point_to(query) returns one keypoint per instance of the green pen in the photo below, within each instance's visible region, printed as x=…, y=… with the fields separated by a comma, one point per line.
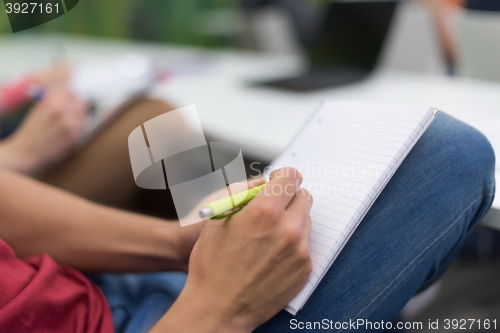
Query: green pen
x=216, y=209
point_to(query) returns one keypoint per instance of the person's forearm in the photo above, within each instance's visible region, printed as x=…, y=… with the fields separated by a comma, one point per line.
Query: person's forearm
x=40, y=219
x=13, y=159
x=196, y=313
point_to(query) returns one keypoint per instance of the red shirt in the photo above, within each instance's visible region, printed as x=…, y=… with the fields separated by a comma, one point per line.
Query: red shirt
x=14, y=94
x=38, y=295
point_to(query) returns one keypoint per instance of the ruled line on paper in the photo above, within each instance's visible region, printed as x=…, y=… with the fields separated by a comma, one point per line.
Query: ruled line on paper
x=320, y=141
x=351, y=135
x=364, y=148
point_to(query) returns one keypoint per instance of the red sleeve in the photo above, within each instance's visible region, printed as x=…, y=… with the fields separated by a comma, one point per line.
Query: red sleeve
x=13, y=95
x=38, y=295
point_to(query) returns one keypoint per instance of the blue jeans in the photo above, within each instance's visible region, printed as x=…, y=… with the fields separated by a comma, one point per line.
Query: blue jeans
x=403, y=245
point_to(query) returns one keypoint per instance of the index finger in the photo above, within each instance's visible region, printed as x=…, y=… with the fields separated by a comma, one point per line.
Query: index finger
x=281, y=189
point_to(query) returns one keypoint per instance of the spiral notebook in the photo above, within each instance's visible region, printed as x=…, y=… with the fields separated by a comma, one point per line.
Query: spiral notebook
x=347, y=152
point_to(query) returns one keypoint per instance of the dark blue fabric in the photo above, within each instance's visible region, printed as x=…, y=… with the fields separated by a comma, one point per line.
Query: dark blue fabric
x=137, y=301
x=492, y=5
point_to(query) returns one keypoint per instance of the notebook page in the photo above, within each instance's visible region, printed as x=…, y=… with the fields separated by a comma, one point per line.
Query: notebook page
x=346, y=153
x=406, y=148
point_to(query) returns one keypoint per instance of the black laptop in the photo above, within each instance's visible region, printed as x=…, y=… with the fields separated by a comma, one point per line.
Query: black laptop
x=346, y=46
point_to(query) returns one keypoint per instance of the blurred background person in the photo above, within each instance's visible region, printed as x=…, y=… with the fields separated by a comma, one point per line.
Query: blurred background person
x=44, y=130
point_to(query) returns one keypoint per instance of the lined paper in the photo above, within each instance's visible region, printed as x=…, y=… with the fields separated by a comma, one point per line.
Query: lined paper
x=347, y=152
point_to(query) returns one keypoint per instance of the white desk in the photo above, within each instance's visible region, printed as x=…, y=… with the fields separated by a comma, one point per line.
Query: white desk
x=260, y=120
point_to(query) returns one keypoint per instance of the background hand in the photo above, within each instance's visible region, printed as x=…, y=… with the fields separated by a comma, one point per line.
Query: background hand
x=57, y=74
x=48, y=134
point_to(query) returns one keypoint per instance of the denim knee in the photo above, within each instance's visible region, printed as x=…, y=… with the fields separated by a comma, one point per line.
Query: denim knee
x=462, y=181
x=465, y=157
x=464, y=152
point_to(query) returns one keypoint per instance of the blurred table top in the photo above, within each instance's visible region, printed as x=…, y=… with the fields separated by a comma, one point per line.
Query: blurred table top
x=262, y=120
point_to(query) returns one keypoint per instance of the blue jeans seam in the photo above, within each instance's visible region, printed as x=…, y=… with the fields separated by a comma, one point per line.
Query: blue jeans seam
x=420, y=254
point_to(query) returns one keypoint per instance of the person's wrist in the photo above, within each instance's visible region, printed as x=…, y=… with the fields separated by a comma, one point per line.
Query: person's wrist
x=192, y=312
x=169, y=243
x=16, y=158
